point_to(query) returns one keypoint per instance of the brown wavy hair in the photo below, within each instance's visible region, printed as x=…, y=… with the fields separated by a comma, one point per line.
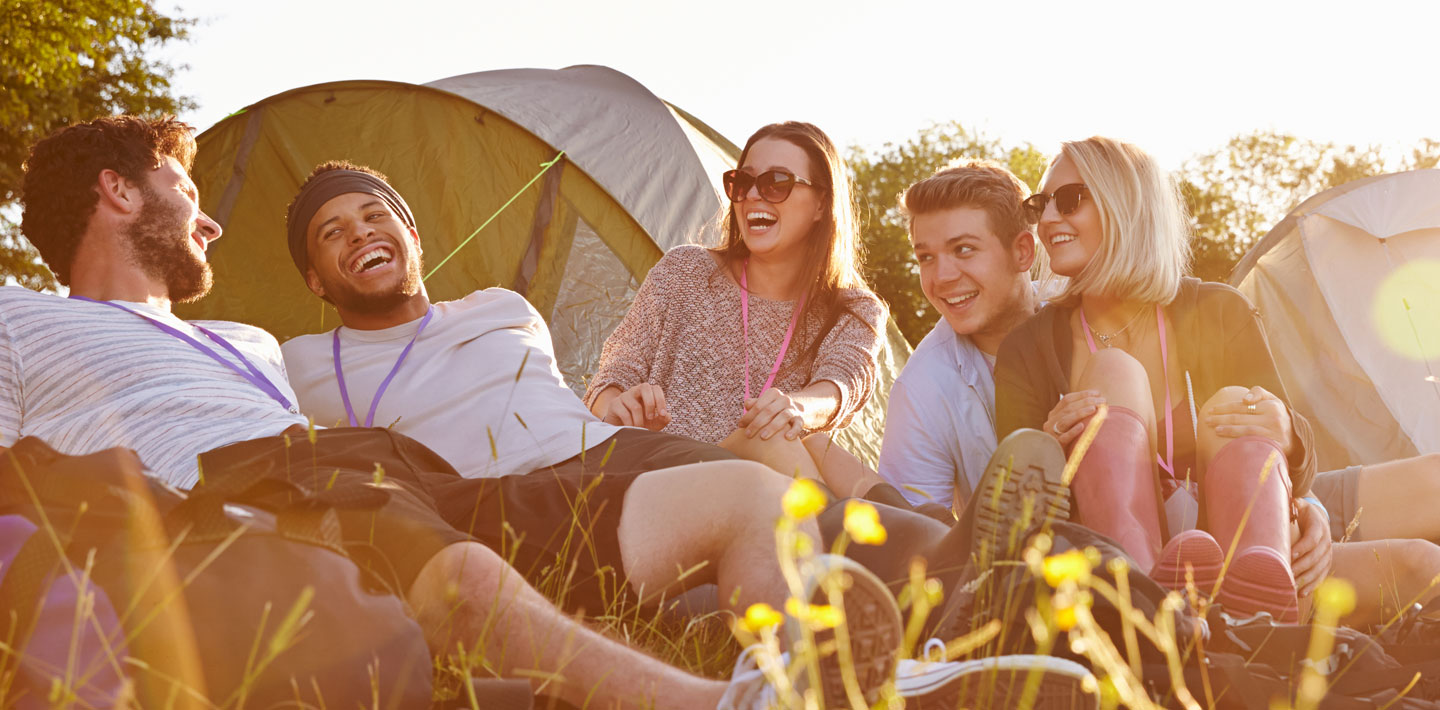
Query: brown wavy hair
x=59, y=192
x=833, y=254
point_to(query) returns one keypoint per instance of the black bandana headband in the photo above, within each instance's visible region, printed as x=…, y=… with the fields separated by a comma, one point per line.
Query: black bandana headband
x=325, y=187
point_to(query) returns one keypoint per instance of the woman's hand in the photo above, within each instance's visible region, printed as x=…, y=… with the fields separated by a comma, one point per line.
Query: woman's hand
x=1312, y=556
x=1069, y=416
x=642, y=405
x=771, y=413
x=1258, y=413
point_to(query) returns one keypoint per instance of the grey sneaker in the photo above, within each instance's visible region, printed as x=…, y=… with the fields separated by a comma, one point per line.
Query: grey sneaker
x=1022, y=485
x=996, y=683
x=872, y=621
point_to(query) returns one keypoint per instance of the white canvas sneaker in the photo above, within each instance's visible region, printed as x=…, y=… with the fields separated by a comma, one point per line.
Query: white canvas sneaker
x=995, y=683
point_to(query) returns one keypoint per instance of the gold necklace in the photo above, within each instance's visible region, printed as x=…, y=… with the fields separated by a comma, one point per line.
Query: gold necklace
x=1106, y=338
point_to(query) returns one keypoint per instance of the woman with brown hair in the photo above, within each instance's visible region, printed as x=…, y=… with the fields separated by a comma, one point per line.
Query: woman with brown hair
x=766, y=339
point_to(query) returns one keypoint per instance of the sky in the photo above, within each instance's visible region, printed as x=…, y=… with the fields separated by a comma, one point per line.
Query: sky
x=1176, y=78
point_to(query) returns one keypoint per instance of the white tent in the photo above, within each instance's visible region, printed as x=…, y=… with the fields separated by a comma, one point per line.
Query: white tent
x=1348, y=285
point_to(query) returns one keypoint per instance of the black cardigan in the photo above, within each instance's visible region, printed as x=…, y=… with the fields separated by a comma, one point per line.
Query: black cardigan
x=1221, y=342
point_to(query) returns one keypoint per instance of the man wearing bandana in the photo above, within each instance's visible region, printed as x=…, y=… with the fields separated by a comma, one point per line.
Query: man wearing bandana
x=111, y=208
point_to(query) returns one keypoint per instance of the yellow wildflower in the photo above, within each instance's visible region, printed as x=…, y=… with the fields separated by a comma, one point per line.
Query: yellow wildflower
x=803, y=499
x=862, y=521
x=1068, y=565
x=817, y=616
x=760, y=616
x=1336, y=596
x=1065, y=618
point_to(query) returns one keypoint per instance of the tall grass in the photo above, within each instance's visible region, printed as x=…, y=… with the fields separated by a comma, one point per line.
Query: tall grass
x=1057, y=617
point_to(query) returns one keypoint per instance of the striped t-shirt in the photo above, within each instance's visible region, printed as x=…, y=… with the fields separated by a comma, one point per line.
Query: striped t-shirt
x=84, y=377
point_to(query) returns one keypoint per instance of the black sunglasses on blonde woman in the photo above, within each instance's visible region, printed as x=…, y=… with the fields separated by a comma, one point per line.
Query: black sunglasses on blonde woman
x=1067, y=200
x=774, y=185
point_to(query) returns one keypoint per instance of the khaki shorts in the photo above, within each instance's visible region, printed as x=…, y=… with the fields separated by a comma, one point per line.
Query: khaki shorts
x=1339, y=492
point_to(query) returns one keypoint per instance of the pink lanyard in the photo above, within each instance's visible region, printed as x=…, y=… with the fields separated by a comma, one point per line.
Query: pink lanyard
x=745, y=331
x=1167, y=463
x=385, y=384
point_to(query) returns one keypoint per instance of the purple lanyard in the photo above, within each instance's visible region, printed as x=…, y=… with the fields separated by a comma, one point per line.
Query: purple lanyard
x=745, y=332
x=1167, y=463
x=254, y=376
x=375, y=403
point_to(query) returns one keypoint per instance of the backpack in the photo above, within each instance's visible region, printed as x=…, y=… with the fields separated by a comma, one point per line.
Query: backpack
x=215, y=601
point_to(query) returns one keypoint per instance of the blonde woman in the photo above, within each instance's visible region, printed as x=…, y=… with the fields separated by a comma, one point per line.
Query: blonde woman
x=767, y=339
x=1196, y=409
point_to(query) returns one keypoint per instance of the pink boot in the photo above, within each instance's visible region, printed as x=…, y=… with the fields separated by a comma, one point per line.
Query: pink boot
x=1114, y=487
x=1258, y=577
x=1196, y=551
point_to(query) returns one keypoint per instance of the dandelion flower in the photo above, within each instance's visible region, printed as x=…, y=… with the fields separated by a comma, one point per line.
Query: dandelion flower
x=1068, y=565
x=817, y=616
x=1065, y=618
x=803, y=499
x=761, y=616
x=862, y=521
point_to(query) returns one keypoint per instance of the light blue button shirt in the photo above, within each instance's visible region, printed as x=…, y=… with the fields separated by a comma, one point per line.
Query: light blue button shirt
x=940, y=427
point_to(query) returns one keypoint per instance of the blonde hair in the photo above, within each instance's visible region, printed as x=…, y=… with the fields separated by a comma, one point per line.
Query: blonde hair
x=1145, y=237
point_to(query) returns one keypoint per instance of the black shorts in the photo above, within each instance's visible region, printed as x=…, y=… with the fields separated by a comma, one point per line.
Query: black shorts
x=393, y=541
x=558, y=526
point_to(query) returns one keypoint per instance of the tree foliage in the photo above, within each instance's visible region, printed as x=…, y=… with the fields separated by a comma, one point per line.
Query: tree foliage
x=62, y=62
x=1234, y=195
x=880, y=176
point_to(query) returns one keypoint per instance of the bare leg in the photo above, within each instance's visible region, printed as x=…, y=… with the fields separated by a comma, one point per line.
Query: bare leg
x=1210, y=441
x=844, y=473
x=1122, y=381
x=714, y=521
x=777, y=452
x=816, y=456
x=1397, y=499
x=1388, y=575
x=467, y=595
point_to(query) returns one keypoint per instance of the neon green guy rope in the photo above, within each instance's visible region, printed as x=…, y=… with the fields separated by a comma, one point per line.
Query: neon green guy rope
x=544, y=168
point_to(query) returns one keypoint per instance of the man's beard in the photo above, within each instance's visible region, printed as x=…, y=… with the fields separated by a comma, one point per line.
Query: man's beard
x=346, y=297
x=160, y=246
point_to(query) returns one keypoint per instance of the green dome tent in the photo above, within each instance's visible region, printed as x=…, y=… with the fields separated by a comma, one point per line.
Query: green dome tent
x=637, y=177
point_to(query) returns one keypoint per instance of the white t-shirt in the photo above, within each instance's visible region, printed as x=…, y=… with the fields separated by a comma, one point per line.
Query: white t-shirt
x=940, y=425
x=480, y=387
x=86, y=376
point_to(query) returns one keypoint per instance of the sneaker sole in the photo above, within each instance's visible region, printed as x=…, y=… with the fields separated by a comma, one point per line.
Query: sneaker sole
x=999, y=683
x=1028, y=465
x=872, y=621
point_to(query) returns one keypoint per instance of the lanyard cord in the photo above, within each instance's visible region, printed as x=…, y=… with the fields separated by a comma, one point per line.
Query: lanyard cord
x=745, y=331
x=254, y=376
x=384, y=384
x=1167, y=463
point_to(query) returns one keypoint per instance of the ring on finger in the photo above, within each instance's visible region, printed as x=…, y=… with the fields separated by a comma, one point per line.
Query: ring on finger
x=1251, y=408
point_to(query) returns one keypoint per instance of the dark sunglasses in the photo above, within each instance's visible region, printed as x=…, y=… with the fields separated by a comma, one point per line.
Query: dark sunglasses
x=774, y=185
x=1067, y=200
